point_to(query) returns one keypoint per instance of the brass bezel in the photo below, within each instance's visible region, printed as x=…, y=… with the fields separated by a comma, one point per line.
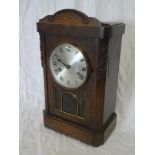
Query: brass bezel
x=87, y=64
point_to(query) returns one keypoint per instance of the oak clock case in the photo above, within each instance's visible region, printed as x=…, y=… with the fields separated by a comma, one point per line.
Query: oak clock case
x=80, y=59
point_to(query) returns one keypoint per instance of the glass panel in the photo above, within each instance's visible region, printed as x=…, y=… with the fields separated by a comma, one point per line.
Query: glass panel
x=58, y=99
x=70, y=104
x=81, y=106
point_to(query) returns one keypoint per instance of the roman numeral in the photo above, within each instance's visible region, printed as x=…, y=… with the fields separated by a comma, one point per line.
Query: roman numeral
x=81, y=77
x=83, y=68
x=81, y=60
x=57, y=70
x=61, y=78
x=68, y=82
x=54, y=63
x=68, y=49
x=61, y=50
x=76, y=52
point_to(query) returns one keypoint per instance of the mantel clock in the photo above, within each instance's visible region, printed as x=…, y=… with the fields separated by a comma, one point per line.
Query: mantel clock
x=80, y=59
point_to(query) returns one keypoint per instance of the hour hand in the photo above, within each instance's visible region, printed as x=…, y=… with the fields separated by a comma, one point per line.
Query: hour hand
x=66, y=65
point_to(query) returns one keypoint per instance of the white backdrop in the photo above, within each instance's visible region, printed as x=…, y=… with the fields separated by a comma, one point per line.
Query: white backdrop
x=35, y=139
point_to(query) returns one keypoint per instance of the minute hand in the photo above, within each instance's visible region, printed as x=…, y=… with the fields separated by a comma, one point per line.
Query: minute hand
x=66, y=65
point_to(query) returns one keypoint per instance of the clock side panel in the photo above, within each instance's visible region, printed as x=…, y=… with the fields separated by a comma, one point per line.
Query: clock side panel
x=114, y=49
x=43, y=63
x=87, y=90
x=107, y=77
x=98, y=106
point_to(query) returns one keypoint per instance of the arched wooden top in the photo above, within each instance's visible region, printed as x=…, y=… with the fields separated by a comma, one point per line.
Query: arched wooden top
x=75, y=23
x=71, y=17
x=69, y=14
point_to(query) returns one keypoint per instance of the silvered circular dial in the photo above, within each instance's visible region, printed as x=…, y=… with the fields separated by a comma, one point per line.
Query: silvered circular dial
x=68, y=65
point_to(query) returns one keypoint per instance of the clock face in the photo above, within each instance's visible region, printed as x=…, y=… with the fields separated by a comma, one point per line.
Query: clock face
x=68, y=66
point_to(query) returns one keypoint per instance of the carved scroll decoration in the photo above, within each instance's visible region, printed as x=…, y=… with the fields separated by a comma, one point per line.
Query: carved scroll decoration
x=84, y=18
x=102, y=60
x=42, y=48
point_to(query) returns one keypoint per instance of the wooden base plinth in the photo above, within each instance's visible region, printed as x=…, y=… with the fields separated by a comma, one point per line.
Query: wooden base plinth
x=89, y=136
